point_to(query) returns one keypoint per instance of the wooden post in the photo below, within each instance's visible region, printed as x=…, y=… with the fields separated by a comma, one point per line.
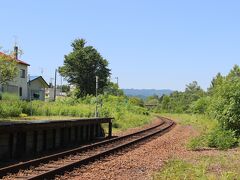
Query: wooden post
x=55, y=85
x=110, y=129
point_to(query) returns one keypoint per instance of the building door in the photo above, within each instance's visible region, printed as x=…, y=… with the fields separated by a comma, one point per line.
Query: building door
x=20, y=91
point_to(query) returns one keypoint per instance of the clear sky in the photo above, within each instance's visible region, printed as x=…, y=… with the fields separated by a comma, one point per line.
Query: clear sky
x=148, y=43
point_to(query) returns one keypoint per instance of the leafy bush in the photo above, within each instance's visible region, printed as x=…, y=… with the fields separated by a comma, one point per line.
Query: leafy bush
x=8, y=108
x=126, y=114
x=197, y=143
x=9, y=96
x=10, y=105
x=218, y=138
x=225, y=102
x=136, y=101
x=200, y=106
x=179, y=169
x=222, y=139
x=211, y=134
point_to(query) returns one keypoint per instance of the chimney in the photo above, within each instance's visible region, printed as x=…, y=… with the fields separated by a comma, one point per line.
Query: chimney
x=16, y=52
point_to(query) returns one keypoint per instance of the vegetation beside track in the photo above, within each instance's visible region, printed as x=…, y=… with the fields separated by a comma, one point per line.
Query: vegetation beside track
x=203, y=162
x=210, y=133
x=222, y=166
x=128, y=112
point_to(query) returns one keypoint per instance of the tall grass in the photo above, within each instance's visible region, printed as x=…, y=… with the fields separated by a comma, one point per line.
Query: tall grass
x=211, y=134
x=200, y=168
x=40, y=108
x=202, y=122
x=10, y=105
x=126, y=114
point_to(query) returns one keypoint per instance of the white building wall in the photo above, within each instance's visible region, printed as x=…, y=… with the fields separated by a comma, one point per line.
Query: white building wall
x=21, y=82
x=37, y=87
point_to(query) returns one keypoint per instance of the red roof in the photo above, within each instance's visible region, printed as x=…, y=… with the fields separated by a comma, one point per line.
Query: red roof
x=19, y=61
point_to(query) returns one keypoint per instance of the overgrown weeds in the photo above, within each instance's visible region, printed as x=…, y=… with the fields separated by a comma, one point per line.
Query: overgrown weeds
x=126, y=113
x=211, y=134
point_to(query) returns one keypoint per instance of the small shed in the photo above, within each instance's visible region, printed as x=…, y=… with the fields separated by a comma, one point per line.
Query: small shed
x=37, y=86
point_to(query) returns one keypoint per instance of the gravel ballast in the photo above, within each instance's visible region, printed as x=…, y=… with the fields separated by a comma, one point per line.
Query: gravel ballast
x=139, y=162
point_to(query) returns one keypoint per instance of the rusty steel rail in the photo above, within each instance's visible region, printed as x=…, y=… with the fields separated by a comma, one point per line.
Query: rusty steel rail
x=50, y=172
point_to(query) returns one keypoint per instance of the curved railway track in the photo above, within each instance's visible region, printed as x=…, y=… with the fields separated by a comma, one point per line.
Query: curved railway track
x=49, y=166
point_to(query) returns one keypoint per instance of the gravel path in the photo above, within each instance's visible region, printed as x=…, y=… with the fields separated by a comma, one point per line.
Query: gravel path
x=138, y=163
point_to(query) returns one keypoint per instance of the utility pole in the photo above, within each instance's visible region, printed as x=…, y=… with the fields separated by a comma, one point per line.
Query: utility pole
x=61, y=86
x=55, y=85
x=30, y=94
x=96, y=110
x=117, y=80
x=117, y=84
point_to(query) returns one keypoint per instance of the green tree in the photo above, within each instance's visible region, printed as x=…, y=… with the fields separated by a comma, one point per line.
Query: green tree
x=65, y=88
x=82, y=65
x=225, y=101
x=194, y=91
x=165, y=103
x=113, y=89
x=201, y=105
x=217, y=81
x=153, y=100
x=8, y=69
x=180, y=102
x=136, y=101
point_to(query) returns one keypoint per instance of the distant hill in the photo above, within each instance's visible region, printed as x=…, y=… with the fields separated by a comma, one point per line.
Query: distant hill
x=144, y=93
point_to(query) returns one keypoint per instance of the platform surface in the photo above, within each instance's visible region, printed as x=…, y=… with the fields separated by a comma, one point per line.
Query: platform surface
x=21, y=125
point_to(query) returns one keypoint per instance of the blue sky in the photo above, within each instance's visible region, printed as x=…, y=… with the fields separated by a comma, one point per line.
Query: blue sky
x=148, y=43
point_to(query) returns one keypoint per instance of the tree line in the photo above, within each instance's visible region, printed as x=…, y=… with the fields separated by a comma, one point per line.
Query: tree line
x=221, y=100
x=84, y=63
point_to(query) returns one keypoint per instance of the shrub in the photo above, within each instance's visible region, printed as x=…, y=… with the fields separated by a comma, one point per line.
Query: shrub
x=10, y=109
x=179, y=169
x=225, y=102
x=222, y=139
x=197, y=143
x=9, y=97
x=200, y=106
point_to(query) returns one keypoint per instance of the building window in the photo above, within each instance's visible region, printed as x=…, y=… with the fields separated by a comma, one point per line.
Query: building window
x=22, y=73
x=20, y=91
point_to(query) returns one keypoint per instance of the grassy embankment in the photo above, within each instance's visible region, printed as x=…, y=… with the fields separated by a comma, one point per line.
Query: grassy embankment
x=126, y=114
x=216, y=164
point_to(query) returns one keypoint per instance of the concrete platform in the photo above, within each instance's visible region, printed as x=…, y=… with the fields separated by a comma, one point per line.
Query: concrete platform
x=19, y=139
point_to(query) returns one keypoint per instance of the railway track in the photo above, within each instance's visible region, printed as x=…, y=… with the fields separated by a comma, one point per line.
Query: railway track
x=49, y=166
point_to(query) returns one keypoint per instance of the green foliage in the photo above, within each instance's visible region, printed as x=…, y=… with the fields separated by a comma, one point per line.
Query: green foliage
x=126, y=113
x=136, y=101
x=181, y=102
x=225, y=101
x=201, y=168
x=64, y=88
x=222, y=139
x=10, y=108
x=215, y=82
x=153, y=100
x=211, y=135
x=197, y=143
x=221, y=102
x=9, y=96
x=200, y=106
x=113, y=89
x=60, y=108
x=82, y=65
x=178, y=169
x=218, y=138
x=203, y=123
x=8, y=69
x=10, y=105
